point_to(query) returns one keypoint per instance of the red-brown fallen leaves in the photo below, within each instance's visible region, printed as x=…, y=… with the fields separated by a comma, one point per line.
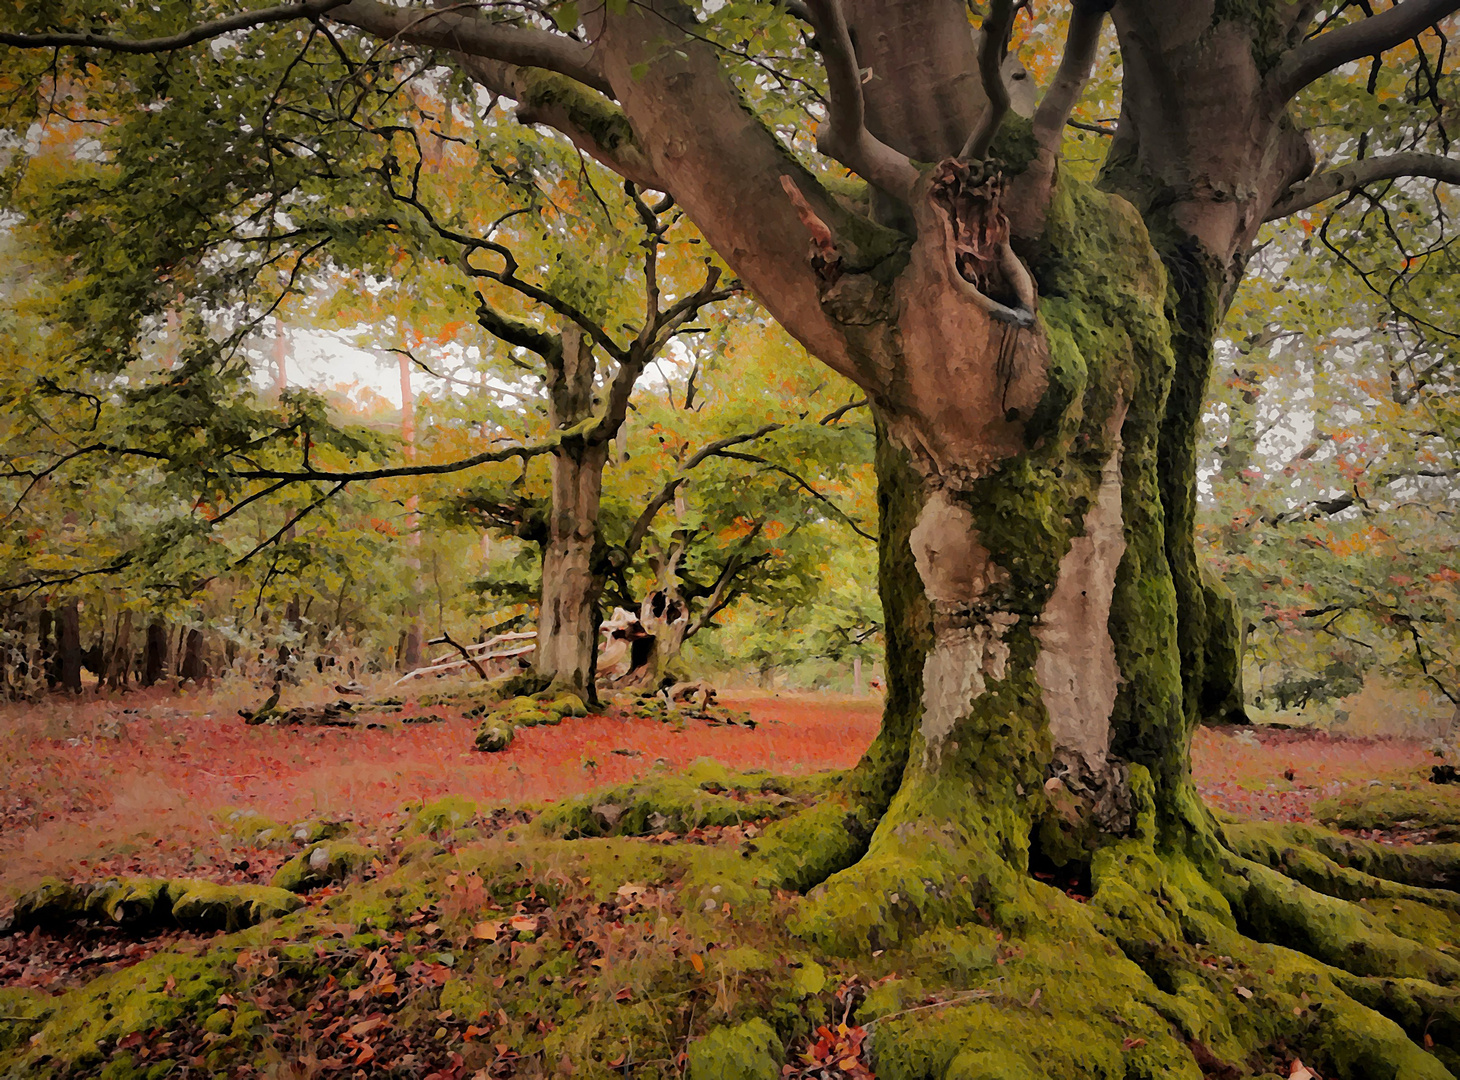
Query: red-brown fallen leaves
x=39, y=960
x=835, y=1055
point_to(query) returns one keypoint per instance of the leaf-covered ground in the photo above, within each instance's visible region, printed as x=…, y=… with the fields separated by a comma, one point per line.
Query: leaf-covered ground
x=136, y=784
x=173, y=786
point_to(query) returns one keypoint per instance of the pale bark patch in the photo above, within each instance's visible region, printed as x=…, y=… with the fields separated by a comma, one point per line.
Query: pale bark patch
x=956, y=571
x=955, y=675
x=1076, y=667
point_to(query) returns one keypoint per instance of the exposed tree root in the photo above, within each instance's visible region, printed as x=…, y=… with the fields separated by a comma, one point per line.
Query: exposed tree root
x=1431, y=866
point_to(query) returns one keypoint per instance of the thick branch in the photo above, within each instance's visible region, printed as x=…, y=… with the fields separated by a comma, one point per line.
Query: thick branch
x=845, y=136
x=461, y=29
x=517, y=331
x=591, y=122
x=1358, y=174
x=1317, y=56
x=244, y=20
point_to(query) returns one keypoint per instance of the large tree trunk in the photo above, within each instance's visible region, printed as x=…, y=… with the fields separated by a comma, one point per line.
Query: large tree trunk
x=567, y=629
x=568, y=617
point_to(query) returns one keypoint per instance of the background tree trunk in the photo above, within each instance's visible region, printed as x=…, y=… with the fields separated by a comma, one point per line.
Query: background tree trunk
x=155, y=658
x=45, y=649
x=68, y=646
x=194, y=665
x=119, y=667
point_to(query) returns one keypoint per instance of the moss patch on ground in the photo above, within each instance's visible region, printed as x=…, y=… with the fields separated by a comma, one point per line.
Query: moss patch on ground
x=139, y=901
x=706, y=794
x=533, y=955
x=327, y=862
x=1389, y=806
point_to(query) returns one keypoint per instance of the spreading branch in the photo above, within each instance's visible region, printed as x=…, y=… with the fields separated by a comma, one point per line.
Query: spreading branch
x=801, y=483
x=244, y=20
x=461, y=464
x=1371, y=36
x=845, y=136
x=1355, y=175
x=646, y=518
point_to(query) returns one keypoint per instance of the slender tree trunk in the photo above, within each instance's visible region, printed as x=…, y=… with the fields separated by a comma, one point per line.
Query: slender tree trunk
x=155, y=660
x=45, y=649
x=414, y=632
x=68, y=646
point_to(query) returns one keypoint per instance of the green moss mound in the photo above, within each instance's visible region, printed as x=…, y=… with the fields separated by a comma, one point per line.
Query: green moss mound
x=704, y=795
x=327, y=862
x=548, y=708
x=144, y=902
x=748, y=1051
x=494, y=736
x=441, y=816
x=255, y=830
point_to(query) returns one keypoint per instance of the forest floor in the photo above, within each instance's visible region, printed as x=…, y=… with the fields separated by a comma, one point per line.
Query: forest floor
x=146, y=784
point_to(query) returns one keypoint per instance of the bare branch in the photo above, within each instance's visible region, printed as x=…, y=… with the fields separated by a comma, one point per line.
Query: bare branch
x=845, y=137
x=993, y=45
x=446, y=639
x=244, y=20
x=462, y=29
x=1325, y=185
x=1082, y=42
x=836, y=414
x=1319, y=55
x=505, y=454
x=295, y=520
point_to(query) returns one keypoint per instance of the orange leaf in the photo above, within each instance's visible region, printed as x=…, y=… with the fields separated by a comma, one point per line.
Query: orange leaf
x=697, y=963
